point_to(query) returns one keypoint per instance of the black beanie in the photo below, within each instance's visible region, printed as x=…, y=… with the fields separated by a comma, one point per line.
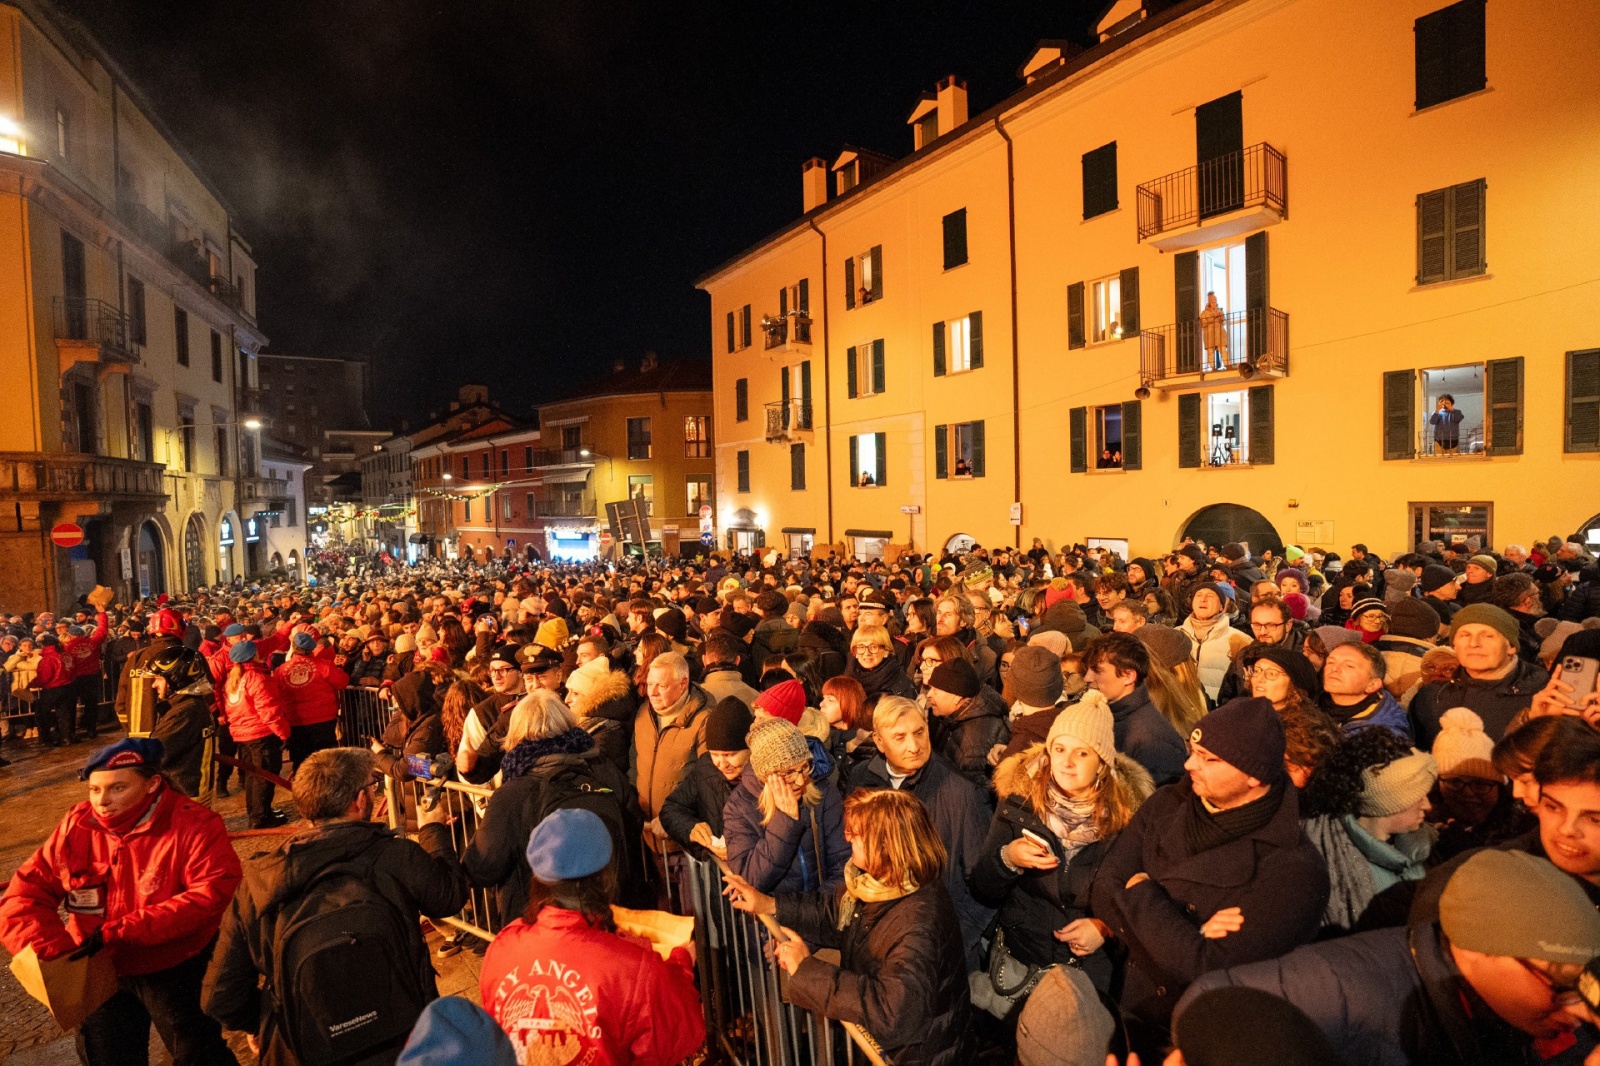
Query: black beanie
x=1248, y=1027
x=1247, y=734
x=727, y=725
x=1413, y=618
x=1302, y=675
x=1436, y=575
x=956, y=677
x=1584, y=644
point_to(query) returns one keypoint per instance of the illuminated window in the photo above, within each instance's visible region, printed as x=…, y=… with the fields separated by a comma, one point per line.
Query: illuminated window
x=1106, y=309
x=697, y=437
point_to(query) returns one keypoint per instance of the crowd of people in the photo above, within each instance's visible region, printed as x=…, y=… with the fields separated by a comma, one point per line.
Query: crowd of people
x=1038, y=806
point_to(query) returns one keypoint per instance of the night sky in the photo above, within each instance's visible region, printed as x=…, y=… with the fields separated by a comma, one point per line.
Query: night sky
x=520, y=192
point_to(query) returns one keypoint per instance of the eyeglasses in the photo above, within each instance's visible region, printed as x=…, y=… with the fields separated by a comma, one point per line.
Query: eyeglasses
x=870, y=649
x=1005, y=665
x=1477, y=786
x=930, y=660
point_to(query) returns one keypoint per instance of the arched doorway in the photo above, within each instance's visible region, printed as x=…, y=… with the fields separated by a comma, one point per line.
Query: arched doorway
x=225, y=545
x=294, y=564
x=1224, y=522
x=152, y=566
x=1589, y=533
x=960, y=544
x=194, y=552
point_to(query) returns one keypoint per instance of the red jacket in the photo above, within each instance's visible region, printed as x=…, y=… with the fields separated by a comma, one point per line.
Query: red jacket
x=157, y=893
x=53, y=671
x=257, y=708
x=561, y=980
x=83, y=653
x=311, y=688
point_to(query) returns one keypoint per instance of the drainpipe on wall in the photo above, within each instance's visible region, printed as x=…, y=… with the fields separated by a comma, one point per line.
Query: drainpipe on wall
x=1016, y=388
x=827, y=393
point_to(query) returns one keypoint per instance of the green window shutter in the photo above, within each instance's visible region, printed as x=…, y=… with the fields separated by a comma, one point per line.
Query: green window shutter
x=1502, y=397
x=880, y=447
x=977, y=449
x=1129, y=315
x=850, y=372
x=1256, y=295
x=1466, y=229
x=1100, y=180
x=1261, y=435
x=877, y=367
x=1075, y=334
x=797, y=467
x=730, y=331
x=877, y=271
x=855, y=461
x=805, y=296
x=783, y=302
x=744, y=471
x=955, y=238
x=1583, y=401
x=1186, y=304
x=741, y=400
x=783, y=380
x=1132, y=435
x=805, y=382
x=849, y=282
x=941, y=452
x=1433, y=238
x=938, y=349
x=1078, y=449
x=1189, y=430
x=1399, y=414
x=975, y=343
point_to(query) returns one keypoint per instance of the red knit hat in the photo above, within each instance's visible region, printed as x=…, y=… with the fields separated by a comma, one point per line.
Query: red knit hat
x=786, y=700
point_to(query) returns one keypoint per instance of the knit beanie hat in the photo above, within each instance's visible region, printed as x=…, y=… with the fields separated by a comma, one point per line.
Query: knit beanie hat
x=405, y=644
x=1436, y=575
x=1063, y=1022
x=776, y=744
x=1290, y=571
x=958, y=678
x=1302, y=675
x=1238, y=1026
x=1247, y=734
x=786, y=700
x=1371, y=603
x=455, y=1029
x=1053, y=639
x=1462, y=748
x=1397, y=585
x=1293, y=554
x=1089, y=721
x=1232, y=551
x=1487, y=562
x=1552, y=919
x=1166, y=645
x=1333, y=636
x=1035, y=677
x=1391, y=789
x=1410, y=617
x=552, y=633
x=672, y=622
x=1298, y=606
x=728, y=725
x=1486, y=614
x=1585, y=643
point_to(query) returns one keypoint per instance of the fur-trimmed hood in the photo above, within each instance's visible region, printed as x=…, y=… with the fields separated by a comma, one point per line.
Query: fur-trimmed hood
x=604, y=685
x=1015, y=774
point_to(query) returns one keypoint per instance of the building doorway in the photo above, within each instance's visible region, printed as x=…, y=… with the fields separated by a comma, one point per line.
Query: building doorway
x=194, y=552
x=799, y=542
x=1589, y=533
x=151, y=570
x=1452, y=523
x=1222, y=523
x=225, y=544
x=960, y=544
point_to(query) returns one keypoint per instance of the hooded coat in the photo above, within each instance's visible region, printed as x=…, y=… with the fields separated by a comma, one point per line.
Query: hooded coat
x=967, y=736
x=605, y=704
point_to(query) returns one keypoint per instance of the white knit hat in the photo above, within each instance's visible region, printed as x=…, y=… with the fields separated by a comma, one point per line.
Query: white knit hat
x=1462, y=748
x=1392, y=788
x=1090, y=721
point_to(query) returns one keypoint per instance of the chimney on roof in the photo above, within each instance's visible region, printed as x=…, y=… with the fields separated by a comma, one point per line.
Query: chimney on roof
x=952, y=104
x=1124, y=15
x=813, y=184
x=617, y=366
x=648, y=363
x=938, y=112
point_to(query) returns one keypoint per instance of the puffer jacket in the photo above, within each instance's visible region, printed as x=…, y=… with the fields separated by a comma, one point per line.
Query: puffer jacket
x=606, y=710
x=804, y=854
x=966, y=737
x=699, y=797
x=1496, y=702
x=82, y=654
x=662, y=755
x=901, y=974
x=1581, y=601
x=1214, y=655
x=311, y=689
x=157, y=892
x=256, y=708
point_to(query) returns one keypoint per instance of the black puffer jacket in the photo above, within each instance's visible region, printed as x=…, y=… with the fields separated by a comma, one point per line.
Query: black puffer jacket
x=1496, y=702
x=901, y=976
x=699, y=797
x=966, y=737
x=829, y=645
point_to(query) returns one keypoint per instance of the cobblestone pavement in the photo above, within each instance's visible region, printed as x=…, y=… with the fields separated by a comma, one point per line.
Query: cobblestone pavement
x=35, y=790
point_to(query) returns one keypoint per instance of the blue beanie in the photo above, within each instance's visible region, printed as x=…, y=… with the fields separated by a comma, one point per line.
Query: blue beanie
x=235, y=630
x=243, y=651
x=304, y=641
x=127, y=752
x=570, y=843
x=454, y=1030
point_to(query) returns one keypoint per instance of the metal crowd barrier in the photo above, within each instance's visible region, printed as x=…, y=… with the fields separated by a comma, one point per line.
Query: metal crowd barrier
x=464, y=807
x=363, y=713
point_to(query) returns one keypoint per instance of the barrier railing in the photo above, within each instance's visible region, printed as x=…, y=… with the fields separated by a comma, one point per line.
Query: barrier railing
x=464, y=806
x=363, y=713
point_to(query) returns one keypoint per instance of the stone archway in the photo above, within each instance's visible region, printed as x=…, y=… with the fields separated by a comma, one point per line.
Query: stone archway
x=960, y=543
x=150, y=560
x=1223, y=522
x=194, y=551
x=1589, y=533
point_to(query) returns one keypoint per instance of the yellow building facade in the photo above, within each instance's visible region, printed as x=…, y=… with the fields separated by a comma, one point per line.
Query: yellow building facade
x=1008, y=333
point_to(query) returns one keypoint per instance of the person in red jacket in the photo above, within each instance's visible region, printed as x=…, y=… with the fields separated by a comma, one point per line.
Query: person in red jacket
x=54, y=683
x=220, y=664
x=311, y=685
x=561, y=981
x=82, y=653
x=258, y=722
x=144, y=874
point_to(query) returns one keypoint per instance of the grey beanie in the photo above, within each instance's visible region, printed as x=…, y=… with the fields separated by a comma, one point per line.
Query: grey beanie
x=1167, y=646
x=1035, y=677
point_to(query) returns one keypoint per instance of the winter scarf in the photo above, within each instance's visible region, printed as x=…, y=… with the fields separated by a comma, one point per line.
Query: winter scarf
x=880, y=678
x=1350, y=885
x=862, y=887
x=1071, y=822
x=120, y=824
x=522, y=758
x=1206, y=829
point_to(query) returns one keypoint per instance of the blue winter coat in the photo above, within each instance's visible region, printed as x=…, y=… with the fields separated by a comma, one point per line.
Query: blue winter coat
x=784, y=854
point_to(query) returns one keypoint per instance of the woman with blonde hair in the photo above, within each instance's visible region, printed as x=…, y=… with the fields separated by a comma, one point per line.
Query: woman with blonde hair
x=1174, y=679
x=902, y=973
x=782, y=821
x=874, y=664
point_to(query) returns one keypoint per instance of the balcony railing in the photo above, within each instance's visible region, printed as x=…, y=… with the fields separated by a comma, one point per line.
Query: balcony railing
x=564, y=506
x=227, y=292
x=190, y=257
x=96, y=322
x=143, y=221
x=266, y=494
x=786, y=418
x=1246, y=342
x=1257, y=177
x=563, y=456
x=40, y=476
x=788, y=329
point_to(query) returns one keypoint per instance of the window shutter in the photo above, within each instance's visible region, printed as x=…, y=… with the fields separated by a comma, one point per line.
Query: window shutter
x=1257, y=297
x=1261, y=426
x=855, y=461
x=1186, y=304
x=1100, y=180
x=1432, y=236
x=938, y=349
x=975, y=343
x=1189, y=430
x=805, y=297
x=1077, y=448
x=849, y=282
x=1130, y=302
x=850, y=372
x=877, y=271
x=744, y=471
x=1468, y=68
x=805, y=391
x=941, y=452
x=881, y=449
x=1075, y=337
x=1399, y=414
x=1503, y=398
x=1132, y=436
x=797, y=467
x=744, y=326
x=1583, y=401
x=955, y=238
x=1432, y=58
x=877, y=367
x=741, y=400
x=783, y=302
x=977, y=449
x=783, y=378
x=1466, y=229
x=730, y=331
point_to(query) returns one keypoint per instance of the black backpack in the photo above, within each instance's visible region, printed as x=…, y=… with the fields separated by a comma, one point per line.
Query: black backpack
x=342, y=979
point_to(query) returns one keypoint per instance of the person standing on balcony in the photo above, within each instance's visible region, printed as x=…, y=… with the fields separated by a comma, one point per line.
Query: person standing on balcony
x=1214, y=332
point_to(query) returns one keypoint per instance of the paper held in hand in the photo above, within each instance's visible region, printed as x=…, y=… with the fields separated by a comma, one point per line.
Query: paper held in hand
x=664, y=931
x=71, y=990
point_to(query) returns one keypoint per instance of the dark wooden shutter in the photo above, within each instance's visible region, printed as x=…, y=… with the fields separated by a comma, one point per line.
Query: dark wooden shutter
x=1186, y=304
x=731, y=345
x=941, y=452
x=1450, y=53
x=877, y=367
x=1466, y=229
x=975, y=340
x=805, y=297
x=855, y=461
x=783, y=302
x=783, y=378
x=744, y=325
x=1433, y=236
x=797, y=467
x=849, y=282
x=1399, y=414
x=977, y=449
x=744, y=471
x=1189, y=430
x=741, y=400
x=1262, y=450
x=1075, y=337
x=1129, y=315
x=1219, y=140
x=1502, y=398
x=1433, y=58
x=1583, y=401
x=955, y=238
x=1256, y=295
x=1100, y=180
x=877, y=271
x=1132, y=435
x=938, y=349
x=805, y=394
x=850, y=372
x=880, y=448
x=1077, y=448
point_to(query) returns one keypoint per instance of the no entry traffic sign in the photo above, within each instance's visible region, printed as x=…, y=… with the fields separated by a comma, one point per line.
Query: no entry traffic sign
x=66, y=535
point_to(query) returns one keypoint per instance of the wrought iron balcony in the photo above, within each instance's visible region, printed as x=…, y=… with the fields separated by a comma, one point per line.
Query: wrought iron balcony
x=582, y=455
x=1240, y=345
x=190, y=257
x=786, y=331
x=786, y=419
x=268, y=495
x=70, y=477
x=143, y=221
x=564, y=505
x=1176, y=210
x=227, y=292
x=80, y=321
